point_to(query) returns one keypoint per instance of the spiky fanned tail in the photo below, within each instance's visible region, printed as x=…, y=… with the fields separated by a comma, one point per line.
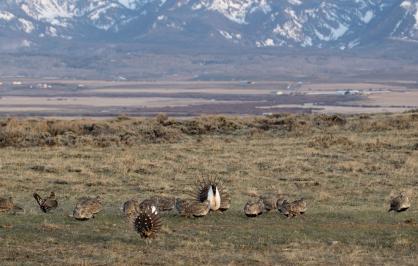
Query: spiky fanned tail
x=203, y=187
x=38, y=199
x=147, y=223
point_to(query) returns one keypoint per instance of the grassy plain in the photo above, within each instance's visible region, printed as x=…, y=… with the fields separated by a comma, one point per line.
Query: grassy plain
x=346, y=167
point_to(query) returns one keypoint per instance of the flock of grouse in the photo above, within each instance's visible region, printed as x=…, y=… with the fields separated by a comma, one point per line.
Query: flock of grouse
x=210, y=195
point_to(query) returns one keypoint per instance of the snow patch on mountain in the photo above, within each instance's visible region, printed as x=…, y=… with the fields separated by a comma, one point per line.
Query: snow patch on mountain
x=416, y=19
x=266, y=42
x=411, y=7
x=25, y=43
x=225, y=34
x=128, y=3
x=137, y=4
x=26, y=25
x=51, y=31
x=406, y=4
x=259, y=23
x=416, y=16
x=333, y=33
x=291, y=30
x=295, y=2
x=48, y=10
x=237, y=10
x=99, y=16
x=367, y=17
x=4, y=15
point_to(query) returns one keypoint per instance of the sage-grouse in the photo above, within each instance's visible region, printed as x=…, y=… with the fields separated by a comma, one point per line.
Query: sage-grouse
x=212, y=189
x=225, y=200
x=86, y=208
x=291, y=209
x=47, y=204
x=7, y=205
x=399, y=203
x=254, y=208
x=147, y=223
x=299, y=206
x=270, y=200
x=183, y=206
x=162, y=203
x=131, y=208
x=191, y=207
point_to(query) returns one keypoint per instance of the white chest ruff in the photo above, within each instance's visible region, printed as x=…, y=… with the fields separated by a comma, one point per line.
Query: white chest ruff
x=214, y=198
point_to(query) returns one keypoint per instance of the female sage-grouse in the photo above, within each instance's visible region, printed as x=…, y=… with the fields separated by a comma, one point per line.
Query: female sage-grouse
x=192, y=207
x=254, y=208
x=7, y=205
x=292, y=209
x=87, y=208
x=399, y=203
x=131, y=208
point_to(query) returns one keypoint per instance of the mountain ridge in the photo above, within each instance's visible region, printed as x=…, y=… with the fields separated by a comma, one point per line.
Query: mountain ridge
x=337, y=24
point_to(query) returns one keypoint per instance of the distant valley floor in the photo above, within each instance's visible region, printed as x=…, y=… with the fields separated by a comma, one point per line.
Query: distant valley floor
x=102, y=99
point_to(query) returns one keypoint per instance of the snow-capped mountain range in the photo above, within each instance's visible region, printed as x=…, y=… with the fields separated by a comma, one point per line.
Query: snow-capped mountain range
x=343, y=24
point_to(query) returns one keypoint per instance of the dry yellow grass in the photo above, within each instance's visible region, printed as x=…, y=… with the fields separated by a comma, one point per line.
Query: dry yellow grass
x=346, y=168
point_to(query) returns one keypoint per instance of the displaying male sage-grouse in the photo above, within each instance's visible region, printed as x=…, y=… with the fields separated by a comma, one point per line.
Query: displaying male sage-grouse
x=47, y=204
x=399, y=203
x=213, y=191
x=254, y=208
x=147, y=223
x=291, y=209
x=86, y=208
x=7, y=205
x=192, y=207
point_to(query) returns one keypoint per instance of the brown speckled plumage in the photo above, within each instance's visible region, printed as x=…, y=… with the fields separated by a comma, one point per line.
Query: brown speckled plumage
x=254, y=207
x=87, y=208
x=131, y=208
x=192, y=207
x=400, y=203
x=292, y=209
x=270, y=200
x=6, y=204
x=162, y=203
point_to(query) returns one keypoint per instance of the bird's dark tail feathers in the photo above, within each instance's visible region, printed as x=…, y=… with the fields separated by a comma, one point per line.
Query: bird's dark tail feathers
x=37, y=198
